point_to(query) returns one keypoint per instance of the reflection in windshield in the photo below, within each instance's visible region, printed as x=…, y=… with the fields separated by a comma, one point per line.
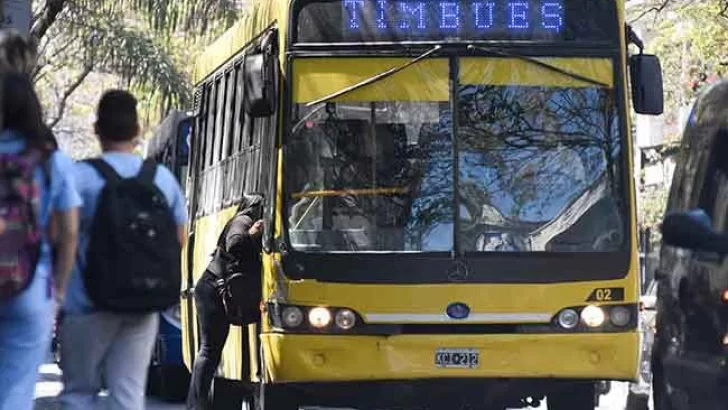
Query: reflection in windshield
x=537, y=169
x=371, y=177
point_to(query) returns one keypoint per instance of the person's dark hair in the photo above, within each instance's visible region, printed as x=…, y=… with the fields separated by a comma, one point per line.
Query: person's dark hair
x=252, y=206
x=116, y=117
x=23, y=113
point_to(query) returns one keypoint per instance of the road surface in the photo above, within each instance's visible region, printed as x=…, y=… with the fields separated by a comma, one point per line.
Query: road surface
x=50, y=385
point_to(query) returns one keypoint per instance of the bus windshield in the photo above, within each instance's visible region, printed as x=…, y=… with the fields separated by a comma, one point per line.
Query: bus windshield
x=521, y=167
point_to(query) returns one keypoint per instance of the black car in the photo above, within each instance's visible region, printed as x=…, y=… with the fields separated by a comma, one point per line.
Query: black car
x=690, y=352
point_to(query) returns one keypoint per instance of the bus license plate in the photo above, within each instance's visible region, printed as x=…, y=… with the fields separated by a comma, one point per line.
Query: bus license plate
x=457, y=358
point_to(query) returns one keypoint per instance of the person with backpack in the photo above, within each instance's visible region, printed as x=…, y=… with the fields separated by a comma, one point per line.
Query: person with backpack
x=228, y=292
x=38, y=209
x=127, y=268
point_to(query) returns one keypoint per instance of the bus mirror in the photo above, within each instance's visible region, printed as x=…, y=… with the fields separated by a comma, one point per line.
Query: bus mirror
x=260, y=85
x=646, y=76
x=693, y=231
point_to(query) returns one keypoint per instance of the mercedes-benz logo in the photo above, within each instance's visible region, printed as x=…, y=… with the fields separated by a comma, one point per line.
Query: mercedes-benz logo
x=458, y=272
x=458, y=310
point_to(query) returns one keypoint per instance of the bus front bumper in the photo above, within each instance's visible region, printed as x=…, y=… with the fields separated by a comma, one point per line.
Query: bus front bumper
x=297, y=358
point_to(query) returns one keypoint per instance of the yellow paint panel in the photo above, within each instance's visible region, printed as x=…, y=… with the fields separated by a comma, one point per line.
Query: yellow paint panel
x=315, y=78
x=315, y=358
x=259, y=16
x=507, y=71
x=433, y=298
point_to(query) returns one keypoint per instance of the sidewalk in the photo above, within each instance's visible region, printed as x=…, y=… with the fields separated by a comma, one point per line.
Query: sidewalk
x=49, y=385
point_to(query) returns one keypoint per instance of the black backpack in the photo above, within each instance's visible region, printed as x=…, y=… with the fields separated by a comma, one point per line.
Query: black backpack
x=239, y=286
x=240, y=291
x=133, y=259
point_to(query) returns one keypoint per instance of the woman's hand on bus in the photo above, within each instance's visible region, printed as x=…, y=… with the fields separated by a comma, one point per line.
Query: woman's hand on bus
x=256, y=230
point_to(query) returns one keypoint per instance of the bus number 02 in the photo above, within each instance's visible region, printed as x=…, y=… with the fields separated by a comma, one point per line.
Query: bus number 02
x=606, y=295
x=603, y=295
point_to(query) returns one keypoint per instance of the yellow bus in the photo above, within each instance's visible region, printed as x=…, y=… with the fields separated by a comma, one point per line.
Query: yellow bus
x=450, y=202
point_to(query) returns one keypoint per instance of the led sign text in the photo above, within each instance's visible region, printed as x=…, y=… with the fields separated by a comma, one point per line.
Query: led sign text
x=472, y=16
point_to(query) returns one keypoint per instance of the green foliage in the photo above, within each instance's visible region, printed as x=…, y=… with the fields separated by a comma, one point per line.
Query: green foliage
x=691, y=39
x=171, y=17
x=146, y=44
x=652, y=206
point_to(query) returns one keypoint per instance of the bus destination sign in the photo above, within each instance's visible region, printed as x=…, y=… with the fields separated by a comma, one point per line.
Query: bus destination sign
x=359, y=21
x=420, y=17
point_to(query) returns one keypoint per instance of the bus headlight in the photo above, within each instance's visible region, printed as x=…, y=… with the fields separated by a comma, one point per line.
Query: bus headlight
x=593, y=316
x=619, y=316
x=345, y=319
x=568, y=318
x=292, y=316
x=319, y=317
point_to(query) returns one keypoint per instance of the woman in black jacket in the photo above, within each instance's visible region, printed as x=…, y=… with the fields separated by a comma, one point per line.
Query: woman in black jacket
x=241, y=239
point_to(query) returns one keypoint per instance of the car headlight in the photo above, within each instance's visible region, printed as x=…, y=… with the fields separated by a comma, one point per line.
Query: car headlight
x=593, y=316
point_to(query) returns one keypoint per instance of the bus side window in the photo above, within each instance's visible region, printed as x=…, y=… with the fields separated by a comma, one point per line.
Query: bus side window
x=204, y=128
x=228, y=121
x=216, y=180
x=198, y=151
x=243, y=127
x=207, y=200
x=219, y=119
x=231, y=129
x=244, y=158
x=251, y=168
x=238, y=112
x=211, y=112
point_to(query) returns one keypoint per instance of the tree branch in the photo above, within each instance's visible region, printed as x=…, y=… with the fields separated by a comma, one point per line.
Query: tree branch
x=45, y=58
x=69, y=91
x=656, y=9
x=724, y=10
x=47, y=17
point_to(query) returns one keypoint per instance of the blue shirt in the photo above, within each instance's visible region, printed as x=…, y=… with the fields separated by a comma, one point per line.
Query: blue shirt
x=61, y=196
x=89, y=184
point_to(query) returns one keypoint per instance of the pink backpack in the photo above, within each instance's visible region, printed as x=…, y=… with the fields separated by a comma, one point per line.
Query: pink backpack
x=20, y=232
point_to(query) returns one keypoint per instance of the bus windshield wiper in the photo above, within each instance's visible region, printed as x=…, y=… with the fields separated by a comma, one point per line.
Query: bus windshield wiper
x=377, y=77
x=539, y=63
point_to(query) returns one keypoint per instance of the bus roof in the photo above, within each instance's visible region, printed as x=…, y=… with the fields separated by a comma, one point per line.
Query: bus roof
x=256, y=18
